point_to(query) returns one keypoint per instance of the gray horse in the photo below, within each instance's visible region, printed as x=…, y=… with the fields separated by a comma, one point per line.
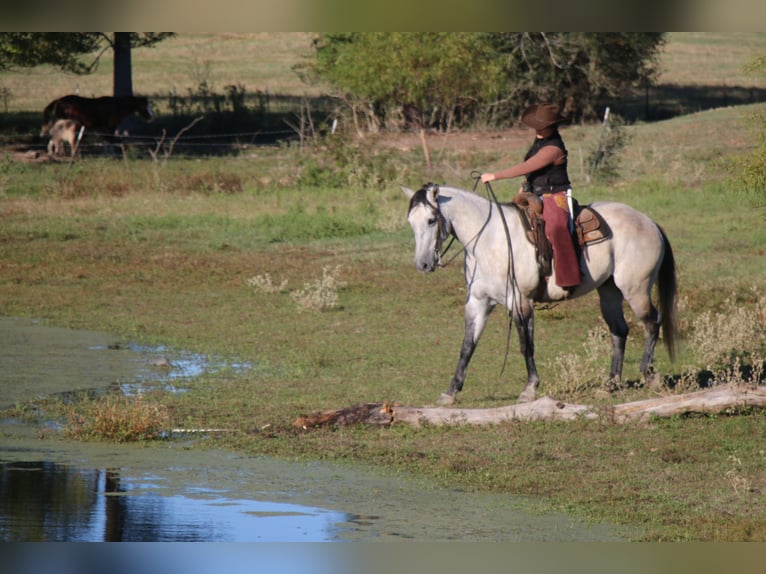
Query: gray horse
x=501, y=267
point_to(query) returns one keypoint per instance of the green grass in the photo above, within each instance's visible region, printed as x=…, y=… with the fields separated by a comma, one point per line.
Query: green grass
x=711, y=58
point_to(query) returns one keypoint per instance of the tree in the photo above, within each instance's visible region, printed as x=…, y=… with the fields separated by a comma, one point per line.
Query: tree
x=748, y=171
x=576, y=69
x=421, y=79
x=448, y=78
x=65, y=50
x=29, y=49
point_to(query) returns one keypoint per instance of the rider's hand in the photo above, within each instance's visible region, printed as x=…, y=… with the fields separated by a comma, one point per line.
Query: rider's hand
x=487, y=177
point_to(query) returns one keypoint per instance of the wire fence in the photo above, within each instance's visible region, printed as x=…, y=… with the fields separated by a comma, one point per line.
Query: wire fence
x=239, y=120
x=222, y=123
x=95, y=142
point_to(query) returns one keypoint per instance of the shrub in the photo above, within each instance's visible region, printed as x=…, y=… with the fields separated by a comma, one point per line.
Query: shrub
x=341, y=161
x=748, y=172
x=320, y=294
x=116, y=418
x=736, y=332
x=578, y=373
x=604, y=161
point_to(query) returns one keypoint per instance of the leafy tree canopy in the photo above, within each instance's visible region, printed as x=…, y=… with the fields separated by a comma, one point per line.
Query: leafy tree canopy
x=64, y=49
x=448, y=78
x=427, y=77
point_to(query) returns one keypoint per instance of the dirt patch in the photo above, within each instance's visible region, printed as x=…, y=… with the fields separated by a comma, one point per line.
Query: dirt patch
x=25, y=154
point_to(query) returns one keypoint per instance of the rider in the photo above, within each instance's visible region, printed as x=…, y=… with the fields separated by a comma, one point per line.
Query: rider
x=545, y=168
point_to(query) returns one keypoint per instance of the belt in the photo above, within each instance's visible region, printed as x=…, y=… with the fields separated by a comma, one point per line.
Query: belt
x=549, y=191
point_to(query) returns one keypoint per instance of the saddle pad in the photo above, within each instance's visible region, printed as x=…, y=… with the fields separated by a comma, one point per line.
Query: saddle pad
x=590, y=227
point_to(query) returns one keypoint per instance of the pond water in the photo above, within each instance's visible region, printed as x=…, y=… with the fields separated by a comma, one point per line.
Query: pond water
x=176, y=490
x=49, y=501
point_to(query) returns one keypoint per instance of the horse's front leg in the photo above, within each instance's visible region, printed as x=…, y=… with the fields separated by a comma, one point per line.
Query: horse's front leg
x=476, y=313
x=524, y=319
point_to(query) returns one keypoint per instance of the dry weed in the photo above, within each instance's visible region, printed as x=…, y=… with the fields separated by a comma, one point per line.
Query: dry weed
x=319, y=294
x=736, y=332
x=265, y=284
x=736, y=478
x=116, y=418
x=577, y=373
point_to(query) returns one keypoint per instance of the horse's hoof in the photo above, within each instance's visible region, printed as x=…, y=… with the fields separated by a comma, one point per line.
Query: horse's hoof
x=446, y=400
x=527, y=396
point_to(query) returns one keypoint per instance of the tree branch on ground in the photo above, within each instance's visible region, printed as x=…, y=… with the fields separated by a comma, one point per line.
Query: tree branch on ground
x=723, y=398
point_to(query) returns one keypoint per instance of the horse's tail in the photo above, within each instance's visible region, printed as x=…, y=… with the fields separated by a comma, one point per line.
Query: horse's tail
x=667, y=287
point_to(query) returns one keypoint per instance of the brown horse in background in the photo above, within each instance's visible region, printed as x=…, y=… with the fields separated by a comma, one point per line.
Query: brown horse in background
x=102, y=115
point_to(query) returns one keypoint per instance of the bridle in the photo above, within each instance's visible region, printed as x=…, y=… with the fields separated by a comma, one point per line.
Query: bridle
x=442, y=232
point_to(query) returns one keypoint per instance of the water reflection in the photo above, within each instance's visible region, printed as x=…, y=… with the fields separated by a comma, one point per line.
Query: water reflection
x=45, y=501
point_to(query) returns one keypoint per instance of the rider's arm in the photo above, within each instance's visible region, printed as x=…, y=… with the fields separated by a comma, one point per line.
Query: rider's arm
x=546, y=156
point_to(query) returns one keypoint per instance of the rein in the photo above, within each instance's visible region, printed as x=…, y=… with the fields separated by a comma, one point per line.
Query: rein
x=444, y=252
x=511, y=284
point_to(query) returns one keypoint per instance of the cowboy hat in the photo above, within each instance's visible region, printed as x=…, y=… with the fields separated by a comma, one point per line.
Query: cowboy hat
x=541, y=116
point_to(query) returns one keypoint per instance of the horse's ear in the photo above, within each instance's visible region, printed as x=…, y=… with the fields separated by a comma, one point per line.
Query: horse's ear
x=432, y=192
x=407, y=191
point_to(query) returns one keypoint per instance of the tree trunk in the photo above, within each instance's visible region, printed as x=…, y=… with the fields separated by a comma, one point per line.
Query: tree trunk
x=123, y=76
x=424, y=143
x=715, y=400
x=123, y=69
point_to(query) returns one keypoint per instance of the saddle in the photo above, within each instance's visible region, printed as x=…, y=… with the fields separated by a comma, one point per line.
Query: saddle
x=589, y=227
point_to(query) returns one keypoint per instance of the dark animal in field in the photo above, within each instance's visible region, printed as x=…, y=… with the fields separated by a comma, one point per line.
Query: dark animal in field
x=101, y=115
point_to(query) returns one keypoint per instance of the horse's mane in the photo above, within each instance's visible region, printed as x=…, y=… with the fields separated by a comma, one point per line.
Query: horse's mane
x=475, y=196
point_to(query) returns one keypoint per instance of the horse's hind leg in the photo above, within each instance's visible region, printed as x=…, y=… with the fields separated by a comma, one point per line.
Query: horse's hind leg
x=642, y=306
x=610, y=298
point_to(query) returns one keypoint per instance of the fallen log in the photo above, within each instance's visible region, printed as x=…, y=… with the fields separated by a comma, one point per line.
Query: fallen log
x=714, y=400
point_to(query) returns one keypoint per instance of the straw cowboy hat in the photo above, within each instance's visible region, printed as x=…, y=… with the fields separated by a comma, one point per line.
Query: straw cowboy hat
x=540, y=116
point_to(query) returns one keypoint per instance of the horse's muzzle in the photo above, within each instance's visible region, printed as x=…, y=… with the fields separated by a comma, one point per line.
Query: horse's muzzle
x=426, y=268
x=426, y=265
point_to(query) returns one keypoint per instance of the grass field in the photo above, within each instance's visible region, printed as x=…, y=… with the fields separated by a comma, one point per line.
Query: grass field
x=234, y=256
x=257, y=60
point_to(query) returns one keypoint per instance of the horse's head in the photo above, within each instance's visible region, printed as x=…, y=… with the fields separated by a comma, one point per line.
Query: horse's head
x=142, y=107
x=431, y=228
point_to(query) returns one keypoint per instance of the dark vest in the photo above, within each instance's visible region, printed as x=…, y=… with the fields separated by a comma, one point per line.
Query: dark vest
x=551, y=177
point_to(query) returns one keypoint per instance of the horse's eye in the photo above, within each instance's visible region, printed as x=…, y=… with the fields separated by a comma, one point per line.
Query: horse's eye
x=432, y=221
